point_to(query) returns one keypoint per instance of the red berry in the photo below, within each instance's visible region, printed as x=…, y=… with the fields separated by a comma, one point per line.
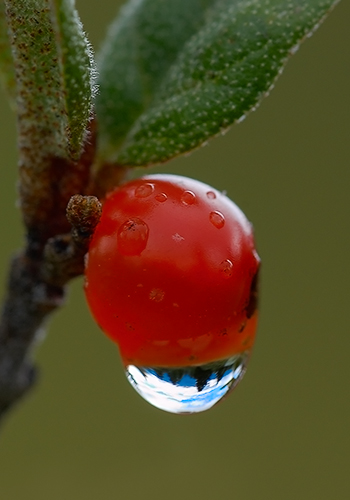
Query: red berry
x=171, y=273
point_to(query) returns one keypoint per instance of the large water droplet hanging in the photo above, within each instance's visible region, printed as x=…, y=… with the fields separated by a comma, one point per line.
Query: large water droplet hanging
x=189, y=389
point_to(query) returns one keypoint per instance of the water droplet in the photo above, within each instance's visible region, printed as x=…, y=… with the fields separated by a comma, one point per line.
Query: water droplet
x=226, y=267
x=188, y=198
x=144, y=190
x=156, y=294
x=211, y=195
x=132, y=236
x=189, y=389
x=161, y=197
x=217, y=219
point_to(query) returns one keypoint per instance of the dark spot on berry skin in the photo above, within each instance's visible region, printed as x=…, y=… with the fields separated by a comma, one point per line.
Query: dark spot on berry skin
x=129, y=326
x=223, y=331
x=242, y=327
x=253, y=296
x=156, y=295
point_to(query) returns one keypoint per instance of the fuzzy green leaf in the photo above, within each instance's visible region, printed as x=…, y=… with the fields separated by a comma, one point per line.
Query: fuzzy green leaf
x=7, y=73
x=53, y=76
x=53, y=101
x=77, y=70
x=170, y=81
x=141, y=46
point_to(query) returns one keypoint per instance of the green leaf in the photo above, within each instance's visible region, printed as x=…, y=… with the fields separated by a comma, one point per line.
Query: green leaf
x=7, y=73
x=156, y=103
x=77, y=71
x=54, y=87
x=52, y=62
x=42, y=117
x=140, y=48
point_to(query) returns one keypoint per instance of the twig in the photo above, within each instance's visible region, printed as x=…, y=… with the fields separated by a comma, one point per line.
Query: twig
x=36, y=287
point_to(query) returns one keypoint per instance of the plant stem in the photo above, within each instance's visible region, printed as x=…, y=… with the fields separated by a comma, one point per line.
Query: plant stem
x=27, y=304
x=36, y=287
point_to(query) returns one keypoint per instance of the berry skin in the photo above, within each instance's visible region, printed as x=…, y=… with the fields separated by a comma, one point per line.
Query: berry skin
x=171, y=273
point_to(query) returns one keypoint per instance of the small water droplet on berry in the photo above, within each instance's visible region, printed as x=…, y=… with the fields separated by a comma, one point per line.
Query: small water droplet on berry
x=188, y=198
x=132, y=236
x=188, y=389
x=144, y=190
x=217, y=219
x=211, y=195
x=161, y=197
x=226, y=268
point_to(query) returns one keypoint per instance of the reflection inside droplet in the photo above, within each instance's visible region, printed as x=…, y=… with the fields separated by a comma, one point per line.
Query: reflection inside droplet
x=189, y=389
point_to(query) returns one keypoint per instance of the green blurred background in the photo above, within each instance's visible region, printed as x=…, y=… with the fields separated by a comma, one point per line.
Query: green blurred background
x=284, y=433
